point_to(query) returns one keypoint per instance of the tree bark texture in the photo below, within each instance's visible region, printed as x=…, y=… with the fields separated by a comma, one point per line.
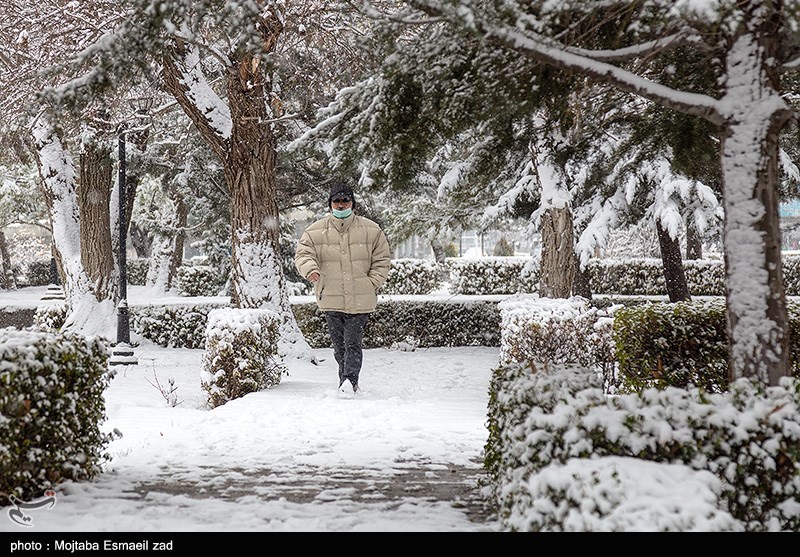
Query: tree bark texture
x=248, y=157
x=581, y=286
x=94, y=197
x=558, y=254
x=674, y=275
x=694, y=245
x=7, y=280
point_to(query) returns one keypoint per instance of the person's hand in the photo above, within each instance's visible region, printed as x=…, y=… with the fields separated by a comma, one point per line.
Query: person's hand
x=313, y=277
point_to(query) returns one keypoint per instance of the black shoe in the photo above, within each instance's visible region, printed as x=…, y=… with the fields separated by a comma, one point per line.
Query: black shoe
x=341, y=382
x=355, y=387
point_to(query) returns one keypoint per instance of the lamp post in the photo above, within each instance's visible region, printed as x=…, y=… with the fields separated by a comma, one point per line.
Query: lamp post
x=122, y=353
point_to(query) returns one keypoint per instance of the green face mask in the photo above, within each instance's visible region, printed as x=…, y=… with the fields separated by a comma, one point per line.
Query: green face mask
x=342, y=214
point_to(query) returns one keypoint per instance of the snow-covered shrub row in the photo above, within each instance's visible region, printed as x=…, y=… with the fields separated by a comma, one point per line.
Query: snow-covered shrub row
x=423, y=324
x=491, y=275
x=549, y=331
x=200, y=280
x=49, y=318
x=411, y=277
x=51, y=408
x=241, y=347
x=748, y=437
x=136, y=270
x=623, y=494
x=662, y=344
x=182, y=326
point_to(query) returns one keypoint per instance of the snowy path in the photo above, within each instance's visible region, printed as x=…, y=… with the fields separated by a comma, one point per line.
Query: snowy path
x=405, y=455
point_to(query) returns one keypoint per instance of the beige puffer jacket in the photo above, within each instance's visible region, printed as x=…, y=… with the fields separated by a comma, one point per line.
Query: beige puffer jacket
x=352, y=257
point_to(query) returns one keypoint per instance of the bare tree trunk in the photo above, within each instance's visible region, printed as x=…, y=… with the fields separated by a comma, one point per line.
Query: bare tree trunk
x=694, y=246
x=674, y=275
x=581, y=286
x=7, y=280
x=558, y=253
x=94, y=197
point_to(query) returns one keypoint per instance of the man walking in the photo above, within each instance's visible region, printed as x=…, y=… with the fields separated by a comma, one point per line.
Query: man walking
x=347, y=259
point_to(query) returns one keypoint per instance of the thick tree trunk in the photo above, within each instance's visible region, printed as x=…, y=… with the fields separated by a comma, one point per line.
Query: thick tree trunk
x=558, y=253
x=56, y=168
x=7, y=280
x=94, y=197
x=694, y=245
x=248, y=156
x=758, y=327
x=674, y=275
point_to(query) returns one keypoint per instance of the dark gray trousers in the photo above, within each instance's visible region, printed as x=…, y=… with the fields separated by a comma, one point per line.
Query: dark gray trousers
x=347, y=334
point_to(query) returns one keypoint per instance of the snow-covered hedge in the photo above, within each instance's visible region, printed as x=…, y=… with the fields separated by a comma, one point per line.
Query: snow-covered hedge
x=241, y=347
x=51, y=408
x=549, y=331
x=749, y=438
x=136, y=270
x=662, y=344
x=412, y=276
x=623, y=494
x=180, y=326
x=200, y=280
x=49, y=318
x=421, y=323
x=642, y=276
x=491, y=275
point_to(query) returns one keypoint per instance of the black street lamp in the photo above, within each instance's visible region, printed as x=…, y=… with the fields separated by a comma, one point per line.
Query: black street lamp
x=122, y=353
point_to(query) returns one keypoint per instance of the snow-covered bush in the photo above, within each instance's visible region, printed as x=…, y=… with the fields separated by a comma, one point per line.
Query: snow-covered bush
x=411, y=276
x=429, y=322
x=136, y=270
x=176, y=326
x=549, y=331
x=37, y=273
x=704, y=277
x=749, y=437
x=51, y=408
x=491, y=275
x=662, y=344
x=791, y=274
x=49, y=317
x=200, y=280
x=622, y=494
x=241, y=347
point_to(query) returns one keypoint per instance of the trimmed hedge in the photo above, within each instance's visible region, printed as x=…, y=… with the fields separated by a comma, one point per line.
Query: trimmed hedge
x=748, y=437
x=681, y=344
x=411, y=276
x=51, y=408
x=181, y=326
x=241, y=347
x=491, y=275
x=424, y=324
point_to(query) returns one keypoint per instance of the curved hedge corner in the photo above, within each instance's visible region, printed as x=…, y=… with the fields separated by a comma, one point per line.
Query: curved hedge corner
x=51, y=408
x=241, y=353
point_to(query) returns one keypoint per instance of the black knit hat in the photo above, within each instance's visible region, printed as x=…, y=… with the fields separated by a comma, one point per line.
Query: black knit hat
x=341, y=189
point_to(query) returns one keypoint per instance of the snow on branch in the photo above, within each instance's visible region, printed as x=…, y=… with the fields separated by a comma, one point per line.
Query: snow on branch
x=561, y=57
